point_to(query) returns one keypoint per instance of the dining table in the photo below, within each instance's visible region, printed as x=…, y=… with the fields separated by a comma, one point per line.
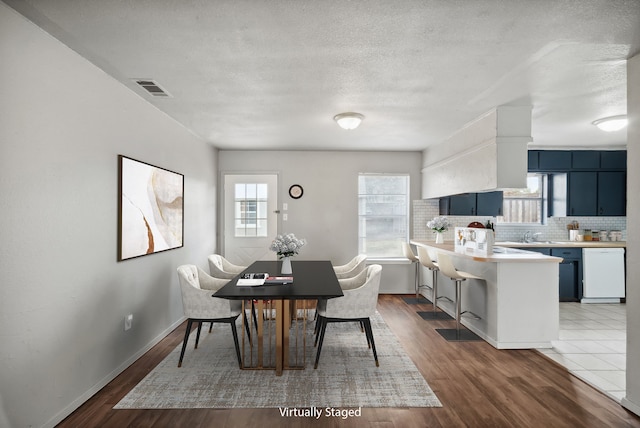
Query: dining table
x=312, y=280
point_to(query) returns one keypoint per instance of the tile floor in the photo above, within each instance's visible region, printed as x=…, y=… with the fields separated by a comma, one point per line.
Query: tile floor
x=593, y=345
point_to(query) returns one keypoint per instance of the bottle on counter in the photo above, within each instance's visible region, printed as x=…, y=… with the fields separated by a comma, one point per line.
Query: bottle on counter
x=587, y=235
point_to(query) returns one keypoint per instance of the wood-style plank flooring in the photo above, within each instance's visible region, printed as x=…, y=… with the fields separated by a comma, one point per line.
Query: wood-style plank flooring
x=478, y=385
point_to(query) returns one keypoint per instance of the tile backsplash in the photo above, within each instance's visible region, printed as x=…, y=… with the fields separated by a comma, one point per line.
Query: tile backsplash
x=555, y=229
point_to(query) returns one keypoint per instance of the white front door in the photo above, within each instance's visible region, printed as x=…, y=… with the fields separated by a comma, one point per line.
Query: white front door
x=250, y=217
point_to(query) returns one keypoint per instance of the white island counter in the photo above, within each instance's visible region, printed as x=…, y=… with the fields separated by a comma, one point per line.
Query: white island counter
x=517, y=300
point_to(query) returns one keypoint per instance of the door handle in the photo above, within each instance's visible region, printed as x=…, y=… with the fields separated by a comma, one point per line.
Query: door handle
x=277, y=211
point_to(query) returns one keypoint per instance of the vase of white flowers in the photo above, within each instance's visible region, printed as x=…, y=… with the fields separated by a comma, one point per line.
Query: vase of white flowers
x=287, y=246
x=439, y=225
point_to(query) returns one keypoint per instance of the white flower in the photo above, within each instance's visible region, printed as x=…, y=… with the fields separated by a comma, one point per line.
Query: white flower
x=287, y=245
x=439, y=224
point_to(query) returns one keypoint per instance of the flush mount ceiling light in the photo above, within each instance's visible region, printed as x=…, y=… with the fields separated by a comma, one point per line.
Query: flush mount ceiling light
x=613, y=123
x=348, y=120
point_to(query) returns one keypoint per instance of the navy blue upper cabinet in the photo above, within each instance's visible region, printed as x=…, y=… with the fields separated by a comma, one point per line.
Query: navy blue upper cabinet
x=582, y=194
x=614, y=159
x=565, y=160
x=554, y=160
x=585, y=159
x=612, y=193
x=464, y=204
x=489, y=203
x=595, y=185
x=532, y=160
x=592, y=193
x=471, y=204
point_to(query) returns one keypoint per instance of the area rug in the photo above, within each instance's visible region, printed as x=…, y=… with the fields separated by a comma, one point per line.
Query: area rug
x=346, y=376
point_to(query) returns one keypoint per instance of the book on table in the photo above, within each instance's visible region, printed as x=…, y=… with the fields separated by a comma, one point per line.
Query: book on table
x=252, y=279
x=279, y=280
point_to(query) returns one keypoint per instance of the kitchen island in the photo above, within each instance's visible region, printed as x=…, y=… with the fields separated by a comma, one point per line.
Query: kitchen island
x=517, y=301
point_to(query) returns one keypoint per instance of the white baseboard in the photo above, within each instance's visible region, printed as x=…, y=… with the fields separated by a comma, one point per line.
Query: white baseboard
x=632, y=407
x=111, y=376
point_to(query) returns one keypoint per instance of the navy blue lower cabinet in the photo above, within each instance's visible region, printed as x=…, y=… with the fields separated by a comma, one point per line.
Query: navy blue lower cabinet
x=570, y=273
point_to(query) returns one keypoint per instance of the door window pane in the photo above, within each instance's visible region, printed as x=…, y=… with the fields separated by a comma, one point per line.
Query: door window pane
x=251, y=209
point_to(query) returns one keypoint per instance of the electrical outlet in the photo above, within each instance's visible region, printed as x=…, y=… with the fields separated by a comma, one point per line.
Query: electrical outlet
x=128, y=320
x=285, y=217
x=285, y=206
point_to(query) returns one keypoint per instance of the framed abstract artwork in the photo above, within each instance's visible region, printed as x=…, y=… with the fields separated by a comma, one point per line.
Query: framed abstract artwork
x=150, y=209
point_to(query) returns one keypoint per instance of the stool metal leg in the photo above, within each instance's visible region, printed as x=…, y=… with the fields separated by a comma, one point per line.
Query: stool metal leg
x=434, y=289
x=458, y=303
x=458, y=334
x=434, y=314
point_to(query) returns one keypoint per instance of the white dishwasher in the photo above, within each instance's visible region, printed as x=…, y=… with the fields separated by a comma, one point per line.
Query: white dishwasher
x=603, y=275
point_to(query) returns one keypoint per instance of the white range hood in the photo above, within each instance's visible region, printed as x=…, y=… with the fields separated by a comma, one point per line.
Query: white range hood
x=488, y=154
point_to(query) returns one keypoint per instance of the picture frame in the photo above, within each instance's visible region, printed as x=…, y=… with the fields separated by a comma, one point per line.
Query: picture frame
x=150, y=209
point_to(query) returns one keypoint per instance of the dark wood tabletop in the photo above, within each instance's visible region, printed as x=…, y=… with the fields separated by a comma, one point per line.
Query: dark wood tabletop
x=311, y=280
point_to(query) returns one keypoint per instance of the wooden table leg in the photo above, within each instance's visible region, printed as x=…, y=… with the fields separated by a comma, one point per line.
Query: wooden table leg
x=286, y=326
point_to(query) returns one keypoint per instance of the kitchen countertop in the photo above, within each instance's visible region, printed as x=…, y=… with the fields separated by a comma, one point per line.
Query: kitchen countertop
x=563, y=244
x=502, y=254
x=516, y=299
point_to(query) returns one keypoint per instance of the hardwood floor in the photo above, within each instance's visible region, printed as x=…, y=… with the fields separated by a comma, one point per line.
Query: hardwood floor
x=478, y=385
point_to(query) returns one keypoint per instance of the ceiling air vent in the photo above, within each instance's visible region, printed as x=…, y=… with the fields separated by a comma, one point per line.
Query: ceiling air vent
x=152, y=87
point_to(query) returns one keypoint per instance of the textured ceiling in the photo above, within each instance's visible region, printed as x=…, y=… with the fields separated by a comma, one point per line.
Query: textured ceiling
x=251, y=74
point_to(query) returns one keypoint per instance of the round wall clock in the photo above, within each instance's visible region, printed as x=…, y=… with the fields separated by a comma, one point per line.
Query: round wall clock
x=296, y=191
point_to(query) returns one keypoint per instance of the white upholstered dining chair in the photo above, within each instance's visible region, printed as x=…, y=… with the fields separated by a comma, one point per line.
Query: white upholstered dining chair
x=357, y=305
x=199, y=306
x=352, y=268
x=220, y=267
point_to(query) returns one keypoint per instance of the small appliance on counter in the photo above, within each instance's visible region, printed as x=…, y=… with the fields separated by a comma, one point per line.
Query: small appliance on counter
x=474, y=239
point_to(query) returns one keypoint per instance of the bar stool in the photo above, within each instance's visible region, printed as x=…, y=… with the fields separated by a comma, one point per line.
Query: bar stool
x=408, y=253
x=425, y=260
x=445, y=264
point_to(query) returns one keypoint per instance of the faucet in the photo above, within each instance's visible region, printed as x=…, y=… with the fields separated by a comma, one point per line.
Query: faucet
x=526, y=237
x=535, y=236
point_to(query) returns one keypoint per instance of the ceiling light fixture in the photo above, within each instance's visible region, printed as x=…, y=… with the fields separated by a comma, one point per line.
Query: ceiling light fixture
x=348, y=120
x=613, y=123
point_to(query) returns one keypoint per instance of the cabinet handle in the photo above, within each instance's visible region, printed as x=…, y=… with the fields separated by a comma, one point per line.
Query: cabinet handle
x=601, y=210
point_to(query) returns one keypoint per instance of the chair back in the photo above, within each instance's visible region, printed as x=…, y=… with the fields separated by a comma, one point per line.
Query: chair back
x=445, y=263
x=360, y=302
x=408, y=252
x=353, y=268
x=349, y=265
x=188, y=274
x=216, y=267
x=425, y=259
x=198, y=303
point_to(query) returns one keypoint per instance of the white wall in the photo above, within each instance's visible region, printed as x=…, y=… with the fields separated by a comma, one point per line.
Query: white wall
x=63, y=295
x=327, y=213
x=632, y=399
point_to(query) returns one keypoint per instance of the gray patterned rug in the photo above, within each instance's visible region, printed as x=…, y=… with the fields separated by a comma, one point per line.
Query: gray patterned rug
x=346, y=376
